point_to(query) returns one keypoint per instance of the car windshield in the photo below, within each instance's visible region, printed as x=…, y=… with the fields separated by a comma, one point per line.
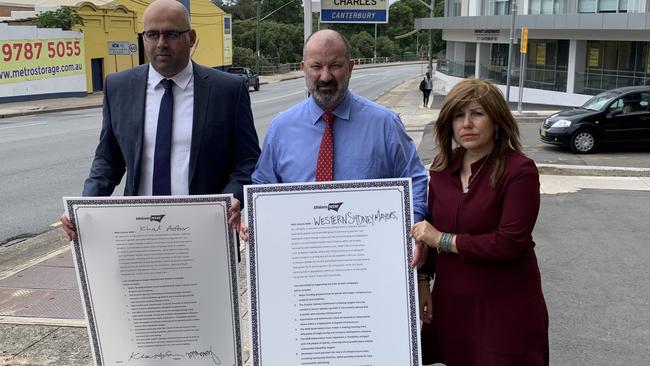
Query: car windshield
x=236, y=71
x=597, y=102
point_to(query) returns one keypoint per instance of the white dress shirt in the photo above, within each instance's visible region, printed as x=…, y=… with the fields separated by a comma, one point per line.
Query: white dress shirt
x=183, y=90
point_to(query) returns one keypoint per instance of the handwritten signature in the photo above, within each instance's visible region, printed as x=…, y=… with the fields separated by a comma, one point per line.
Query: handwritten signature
x=204, y=354
x=169, y=354
x=155, y=356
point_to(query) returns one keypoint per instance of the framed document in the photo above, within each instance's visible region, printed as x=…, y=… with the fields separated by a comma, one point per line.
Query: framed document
x=158, y=279
x=328, y=274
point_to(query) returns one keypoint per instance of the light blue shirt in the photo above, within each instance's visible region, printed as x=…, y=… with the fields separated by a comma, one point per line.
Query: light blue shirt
x=370, y=142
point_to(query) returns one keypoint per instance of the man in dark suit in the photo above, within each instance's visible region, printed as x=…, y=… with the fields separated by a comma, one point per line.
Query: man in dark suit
x=147, y=131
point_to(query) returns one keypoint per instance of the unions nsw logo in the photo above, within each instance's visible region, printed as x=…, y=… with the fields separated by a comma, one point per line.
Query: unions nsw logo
x=329, y=207
x=157, y=218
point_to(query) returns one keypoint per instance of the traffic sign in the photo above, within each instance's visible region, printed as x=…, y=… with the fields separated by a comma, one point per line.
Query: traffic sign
x=354, y=11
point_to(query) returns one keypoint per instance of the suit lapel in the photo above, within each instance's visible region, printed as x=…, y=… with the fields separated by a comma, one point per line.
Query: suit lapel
x=138, y=100
x=139, y=96
x=201, y=97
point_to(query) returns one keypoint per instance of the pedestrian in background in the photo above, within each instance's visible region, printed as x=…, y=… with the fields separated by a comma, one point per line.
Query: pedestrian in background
x=487, y=302
x=173, y=126
x=426, y=85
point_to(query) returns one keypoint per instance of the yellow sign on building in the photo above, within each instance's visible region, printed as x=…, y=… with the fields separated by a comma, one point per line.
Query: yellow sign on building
x=540, y=58
x=29, y=59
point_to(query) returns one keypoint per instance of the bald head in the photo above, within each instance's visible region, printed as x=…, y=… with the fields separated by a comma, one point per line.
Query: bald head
x=168, y=36
x=166, y=8
x=327, y=38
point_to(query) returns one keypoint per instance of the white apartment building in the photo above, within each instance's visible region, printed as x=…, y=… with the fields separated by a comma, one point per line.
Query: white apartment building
x=576, y=48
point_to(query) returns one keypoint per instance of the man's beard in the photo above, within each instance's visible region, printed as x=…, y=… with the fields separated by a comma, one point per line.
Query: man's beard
x=328, y=100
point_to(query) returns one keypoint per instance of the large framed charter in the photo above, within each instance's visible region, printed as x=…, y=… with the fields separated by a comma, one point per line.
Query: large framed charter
x=158, y=279
x=328, y=274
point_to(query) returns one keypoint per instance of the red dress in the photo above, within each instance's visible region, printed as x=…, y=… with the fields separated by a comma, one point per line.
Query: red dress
x=488, y=306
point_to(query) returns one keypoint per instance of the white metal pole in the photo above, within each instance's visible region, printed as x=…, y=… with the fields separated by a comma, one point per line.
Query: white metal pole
x=512, y=40
x=522, y=77
x=307, y=18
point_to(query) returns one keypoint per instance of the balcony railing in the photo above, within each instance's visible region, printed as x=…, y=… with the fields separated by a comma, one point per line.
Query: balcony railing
x=454, y=68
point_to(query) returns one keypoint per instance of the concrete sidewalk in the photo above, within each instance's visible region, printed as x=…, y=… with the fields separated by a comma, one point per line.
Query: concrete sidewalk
x=41, y=318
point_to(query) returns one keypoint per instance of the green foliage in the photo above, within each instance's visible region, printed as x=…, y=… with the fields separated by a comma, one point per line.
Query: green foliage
x=64, y=17
x=279, y=42
x=281, y=33
x=242, y=56
x=242, y=9
x=282, y=11
x=386, y=47
x=246, y=57
x=362, y=44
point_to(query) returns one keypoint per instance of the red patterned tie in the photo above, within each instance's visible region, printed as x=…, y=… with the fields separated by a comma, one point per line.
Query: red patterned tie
x=325, y=166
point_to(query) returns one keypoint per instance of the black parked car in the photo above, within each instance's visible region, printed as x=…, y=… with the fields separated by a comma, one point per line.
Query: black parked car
x=617, y=116
x=250, y=77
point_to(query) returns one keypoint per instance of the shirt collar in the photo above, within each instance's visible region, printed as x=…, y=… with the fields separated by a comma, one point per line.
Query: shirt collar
x=182, y=79
x=342, y=111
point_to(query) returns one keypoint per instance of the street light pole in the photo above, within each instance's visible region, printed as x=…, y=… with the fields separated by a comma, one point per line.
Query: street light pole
x=512, y=40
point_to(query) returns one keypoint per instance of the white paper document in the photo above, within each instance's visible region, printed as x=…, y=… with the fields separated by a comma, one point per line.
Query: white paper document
x=328, y=274
x=158, y=278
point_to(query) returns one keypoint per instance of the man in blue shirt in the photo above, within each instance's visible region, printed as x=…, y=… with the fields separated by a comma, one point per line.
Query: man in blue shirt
x=369, y=140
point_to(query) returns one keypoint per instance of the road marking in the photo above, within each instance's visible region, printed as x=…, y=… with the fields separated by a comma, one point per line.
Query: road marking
x=280, y=97
x=27, y=125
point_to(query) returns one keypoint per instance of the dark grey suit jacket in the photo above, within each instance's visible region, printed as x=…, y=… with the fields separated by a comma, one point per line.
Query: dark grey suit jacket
x=224, y=147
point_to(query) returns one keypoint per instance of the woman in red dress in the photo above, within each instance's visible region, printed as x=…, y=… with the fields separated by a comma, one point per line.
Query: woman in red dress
x=487, y=303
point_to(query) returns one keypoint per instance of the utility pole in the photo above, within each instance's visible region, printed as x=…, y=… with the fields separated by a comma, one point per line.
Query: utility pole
x=430, y=66
x=306, y=7
x=512, y=40
x=375, y=53
x=430, y=55
x=257, y=38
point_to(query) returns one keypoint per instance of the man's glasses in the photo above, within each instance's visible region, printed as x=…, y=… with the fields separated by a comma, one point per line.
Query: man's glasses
x=153, y=35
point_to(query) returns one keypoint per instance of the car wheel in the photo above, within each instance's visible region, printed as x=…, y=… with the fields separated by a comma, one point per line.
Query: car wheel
x=583, y=142
x=257, y=85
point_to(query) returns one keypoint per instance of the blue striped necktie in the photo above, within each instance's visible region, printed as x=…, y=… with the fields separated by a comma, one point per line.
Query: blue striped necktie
x=162, y=156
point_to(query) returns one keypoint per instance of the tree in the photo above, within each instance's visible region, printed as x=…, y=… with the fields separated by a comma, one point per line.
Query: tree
x=283, y=11
x=279, y=42
x=362, y=45
x=243, y=57
x=64, y=17
x=386, y=47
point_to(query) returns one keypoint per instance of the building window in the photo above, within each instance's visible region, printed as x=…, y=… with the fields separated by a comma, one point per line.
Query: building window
x=546, y=64
x=454, y=8
x=607, y=6
x=612, y=64
x=497, y=7
x=546, y=7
